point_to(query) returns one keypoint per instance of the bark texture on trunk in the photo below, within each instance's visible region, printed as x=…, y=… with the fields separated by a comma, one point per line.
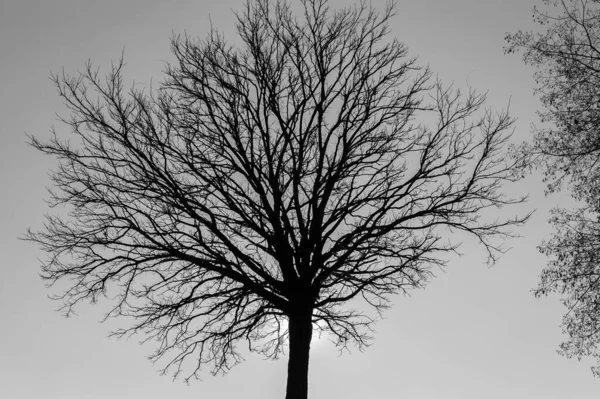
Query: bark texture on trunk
x=300, y=334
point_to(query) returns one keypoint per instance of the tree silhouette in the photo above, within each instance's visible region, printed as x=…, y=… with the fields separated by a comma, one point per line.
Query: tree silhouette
x=567, y=149
x=267, y=182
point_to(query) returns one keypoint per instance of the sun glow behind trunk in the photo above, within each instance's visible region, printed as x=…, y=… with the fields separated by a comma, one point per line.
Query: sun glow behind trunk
x=319, y=334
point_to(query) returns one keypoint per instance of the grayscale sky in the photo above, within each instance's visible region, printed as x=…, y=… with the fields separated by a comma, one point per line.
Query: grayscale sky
x=475, y=332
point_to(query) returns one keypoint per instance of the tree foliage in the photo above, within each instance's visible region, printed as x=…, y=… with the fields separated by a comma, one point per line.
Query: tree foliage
x=566, y=54
x=311, y=165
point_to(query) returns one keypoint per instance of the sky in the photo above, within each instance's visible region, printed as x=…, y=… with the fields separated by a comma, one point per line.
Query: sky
x=474, y=332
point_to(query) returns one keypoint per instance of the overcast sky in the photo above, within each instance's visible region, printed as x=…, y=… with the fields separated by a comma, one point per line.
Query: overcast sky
x=474, y=332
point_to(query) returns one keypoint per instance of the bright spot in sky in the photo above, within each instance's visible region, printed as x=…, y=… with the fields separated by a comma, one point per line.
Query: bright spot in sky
x=319, y=336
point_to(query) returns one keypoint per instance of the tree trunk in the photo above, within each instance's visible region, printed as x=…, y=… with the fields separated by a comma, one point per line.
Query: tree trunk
x=300, y=334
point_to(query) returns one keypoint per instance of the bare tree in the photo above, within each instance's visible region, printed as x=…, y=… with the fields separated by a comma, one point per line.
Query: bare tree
x=274, y=181
x=566, y=148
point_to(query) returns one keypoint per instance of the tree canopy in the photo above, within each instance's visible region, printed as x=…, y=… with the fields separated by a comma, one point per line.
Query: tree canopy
x=566, y=54
x=313, y=164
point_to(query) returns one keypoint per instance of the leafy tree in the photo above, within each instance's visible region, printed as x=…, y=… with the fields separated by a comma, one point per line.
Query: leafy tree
x=264, y=186
x=566, y=54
